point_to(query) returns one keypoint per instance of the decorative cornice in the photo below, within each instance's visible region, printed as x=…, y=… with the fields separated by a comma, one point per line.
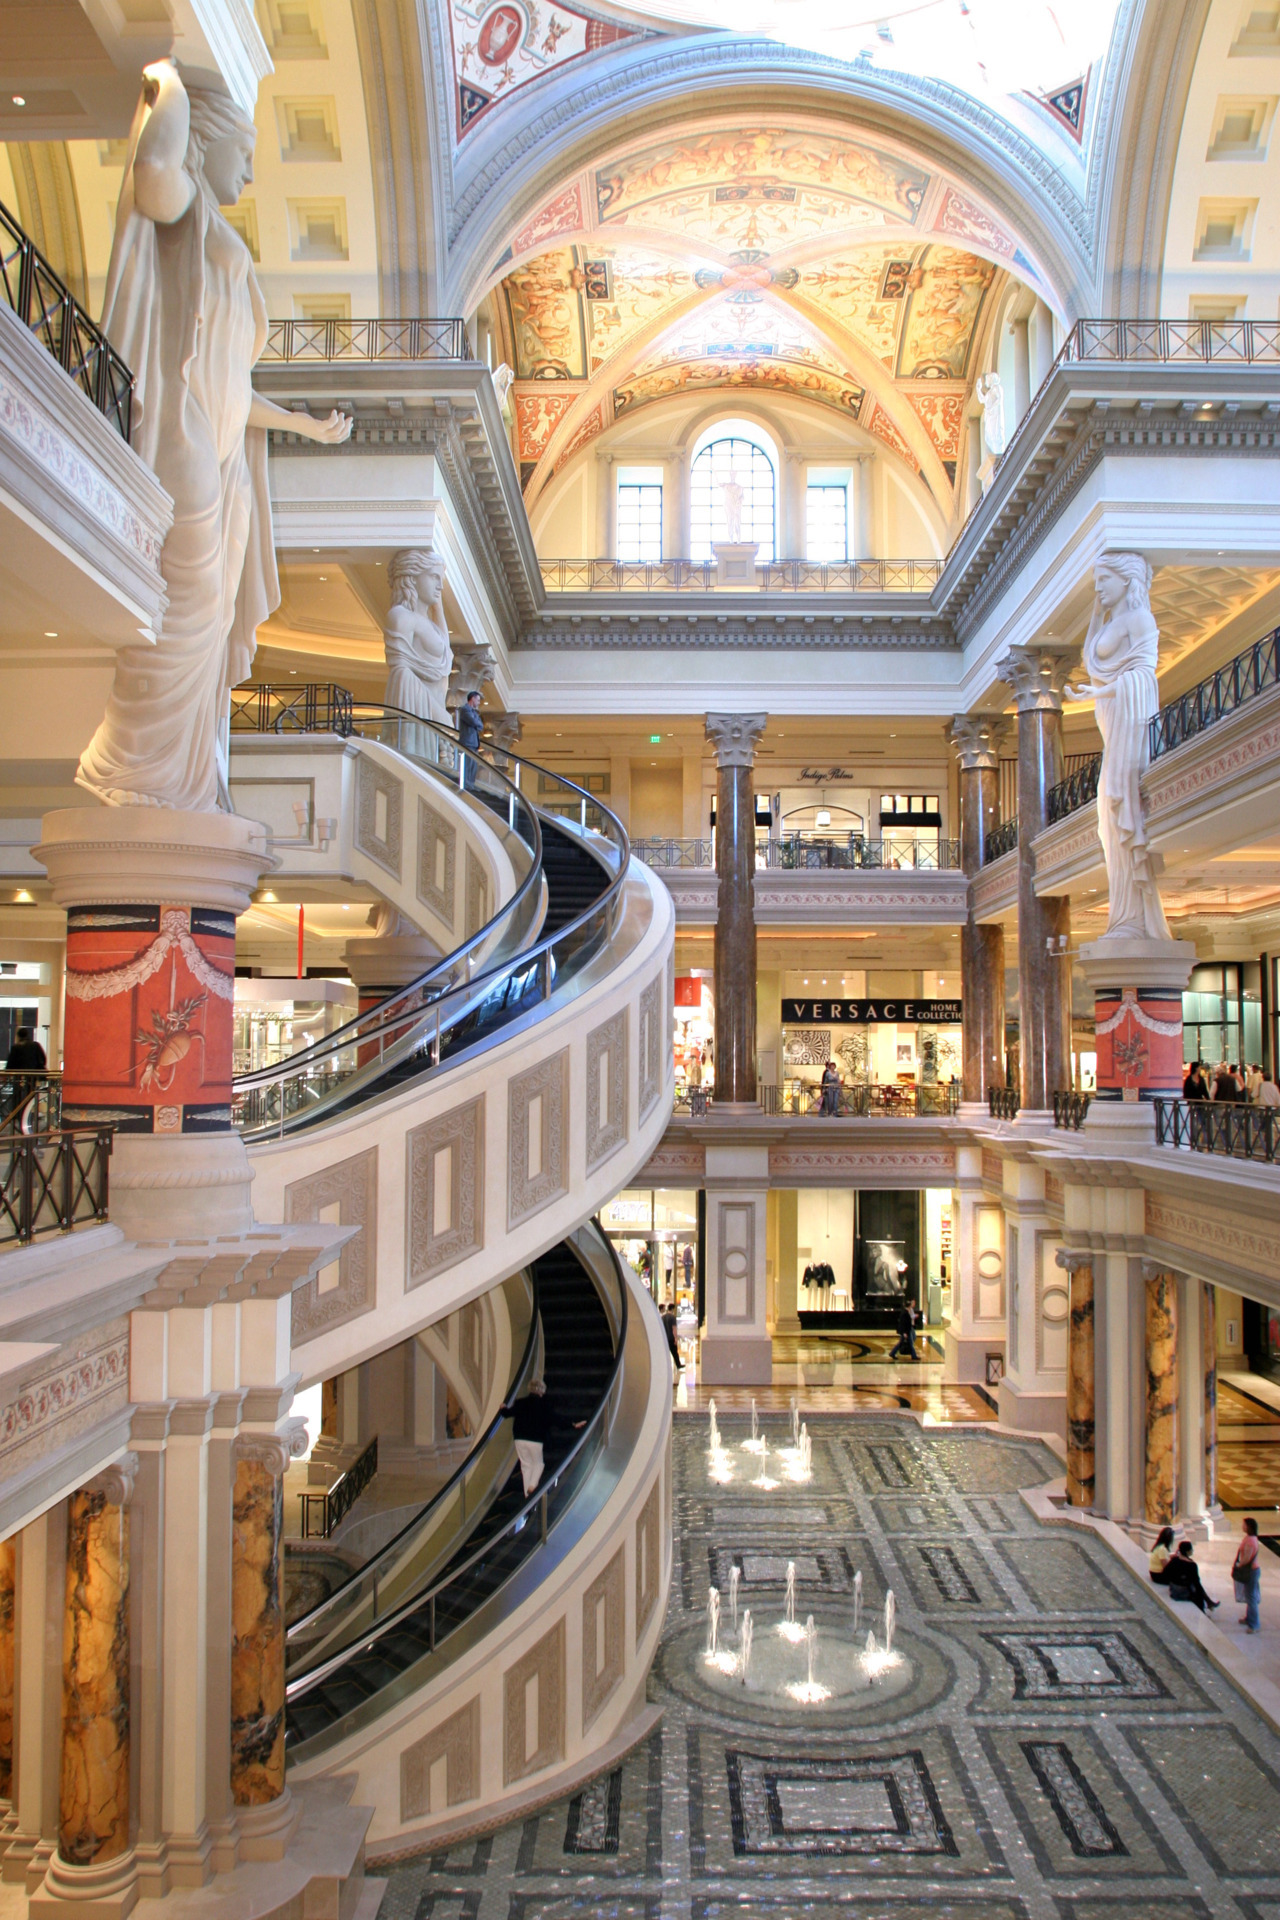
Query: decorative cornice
x=710, y=631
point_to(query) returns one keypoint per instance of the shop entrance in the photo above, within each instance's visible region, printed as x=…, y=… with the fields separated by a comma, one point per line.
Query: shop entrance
x=860, y=1255
x=656, y=1231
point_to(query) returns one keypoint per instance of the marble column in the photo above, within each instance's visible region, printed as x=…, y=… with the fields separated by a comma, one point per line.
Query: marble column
x=1036, y=675
x=1080, y=1378
x=1160, y=1475
x=976, y=739
x=257, y=1620
x=1209, y=1361
x=8, y=1654
x=734, y=737
x=94, y=1799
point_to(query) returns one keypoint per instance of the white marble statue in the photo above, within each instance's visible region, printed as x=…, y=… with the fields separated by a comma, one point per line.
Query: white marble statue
x=732, y=494
x=183, y=308
x=1120, y=663
x=503, y=378
x=419, y=652
x=989, y=392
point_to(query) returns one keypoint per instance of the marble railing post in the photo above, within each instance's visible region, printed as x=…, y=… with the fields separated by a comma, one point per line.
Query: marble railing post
x=1160, y=1475
x=1209, y=1362
x=257, y=1619
x=1036, y=676
x=1081, y=1440
x=734, y=737
x=93, y=1861
x=976, y=739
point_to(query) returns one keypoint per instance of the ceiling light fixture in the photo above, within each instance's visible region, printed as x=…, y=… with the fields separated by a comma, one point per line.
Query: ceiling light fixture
x=19, y=100
x=48, y=635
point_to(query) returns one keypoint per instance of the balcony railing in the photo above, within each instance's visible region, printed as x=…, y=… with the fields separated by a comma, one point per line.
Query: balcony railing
x=1003, y=1103
x=778, y=576
x=31, y=287
x=50, y=1182
x=804, y=852
x=314, y=708
x=1070, y=1109
x=322, y=1512
x=1001, y=840
x=366, y=340
x=1219, y=1126
x=1251, y=673
x=863, y=1101
x=30, y=1101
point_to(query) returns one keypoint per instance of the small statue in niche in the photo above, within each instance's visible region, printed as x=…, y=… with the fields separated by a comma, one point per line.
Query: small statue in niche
x=419, y=652
x=732, y=495
x=989, y=392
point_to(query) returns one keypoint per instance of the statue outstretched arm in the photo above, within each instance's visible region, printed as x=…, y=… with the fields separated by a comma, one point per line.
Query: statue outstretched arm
x=162, y=188
x=329, y=432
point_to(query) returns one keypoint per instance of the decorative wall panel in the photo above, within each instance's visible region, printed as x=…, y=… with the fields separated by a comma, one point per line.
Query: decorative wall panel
x=736, y=1261
x=477, y=894
x=445, y=1171
x=606, y=1088
x=456, y=1741
x=350, y=1187
x=648, y=1557
x=379, y=814
x=604, y=1611
x=537, y=1137
x=536, y=1682
x=652, y=1034
x=437, y=862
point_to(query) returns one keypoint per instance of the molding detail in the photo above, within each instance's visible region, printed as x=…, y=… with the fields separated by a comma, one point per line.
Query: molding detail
x=456, y=1741
x=352, y=1186
x=275, y=1450
x=116, y=1481
x=455, y=1188
x=734, y=736
x=604, y=1617
x=607, y=1130
x=648, y=1557
x=650, y=1045
x=537, y=1099
x=72, y=1392
x=527, y=1749
x=434, y=831
x=374, y=782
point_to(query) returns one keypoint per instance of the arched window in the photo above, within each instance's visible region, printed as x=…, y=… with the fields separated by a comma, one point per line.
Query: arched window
x=748, y=464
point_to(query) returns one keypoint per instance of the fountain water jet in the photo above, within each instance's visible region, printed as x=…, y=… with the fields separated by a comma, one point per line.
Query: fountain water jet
x=809, y=1692
x=735, y=1574
x=744, y=1654
x=762, y=1479
x=755, y=1443
x=795, y=1420
x=787, y=1627
x=715, y=1430
x=857, y=1599
x=713, y=1621
x=890, y=1615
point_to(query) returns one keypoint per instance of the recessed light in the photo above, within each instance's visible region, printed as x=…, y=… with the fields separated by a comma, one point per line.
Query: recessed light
x=294, y=672
x=19, y=100
x=345, y=907
x=22, y=898
x=323, y=578
x=315, y=549
x=49, y=635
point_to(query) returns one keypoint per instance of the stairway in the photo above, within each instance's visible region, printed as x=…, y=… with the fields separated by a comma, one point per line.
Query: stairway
x=579, y=1360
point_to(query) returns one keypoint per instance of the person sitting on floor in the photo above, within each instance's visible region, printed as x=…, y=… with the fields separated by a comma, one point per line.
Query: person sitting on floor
x=1161, y=1555
x=1184, y=1579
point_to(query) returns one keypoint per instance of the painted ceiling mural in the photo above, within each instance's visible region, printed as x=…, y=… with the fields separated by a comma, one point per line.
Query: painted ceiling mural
x=499, y=48
x=792, y=259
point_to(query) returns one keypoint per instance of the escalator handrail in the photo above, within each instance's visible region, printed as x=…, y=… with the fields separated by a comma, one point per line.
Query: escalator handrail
x=391, y=1015
x=356, y=1031
x=299, y=1688
x=422, y=1517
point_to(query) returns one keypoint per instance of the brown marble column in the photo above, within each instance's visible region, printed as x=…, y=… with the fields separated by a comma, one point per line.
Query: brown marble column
x=1160, y=1485
x=257, y=1620
x=734, y=737
x=976, y=739
x=1080, y=1379
x=93, y=1810
x=1036, y=676
x=1209, y=1357
x=8, y=1655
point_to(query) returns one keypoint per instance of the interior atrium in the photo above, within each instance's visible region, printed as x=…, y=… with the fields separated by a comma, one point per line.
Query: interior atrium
x=639, y=960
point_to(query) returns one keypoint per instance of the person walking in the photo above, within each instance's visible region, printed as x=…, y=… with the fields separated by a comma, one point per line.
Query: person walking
x=1246, y=1571
x=1226, y=1087
x=1253, y=1084
x=905, y=1344
x=26, y=1055
x=536, y=1418
x=1194, y=1086
x=831, y=1086
x=669, y=1328
x=1269, y=1092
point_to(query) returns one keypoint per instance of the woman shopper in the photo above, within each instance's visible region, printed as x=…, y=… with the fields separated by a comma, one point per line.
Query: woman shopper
x=1161, y=1554
x=1246, y=1571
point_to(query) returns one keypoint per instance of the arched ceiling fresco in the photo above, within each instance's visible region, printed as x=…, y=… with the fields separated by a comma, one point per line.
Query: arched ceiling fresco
x=792, y=258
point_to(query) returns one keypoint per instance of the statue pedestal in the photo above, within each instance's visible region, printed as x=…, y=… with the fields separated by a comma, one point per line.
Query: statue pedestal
x=735, y=563
x=1137, y=1003
x=151, y=896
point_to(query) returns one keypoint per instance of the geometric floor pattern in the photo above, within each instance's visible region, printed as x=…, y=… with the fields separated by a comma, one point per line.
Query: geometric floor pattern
x=1050, y=1747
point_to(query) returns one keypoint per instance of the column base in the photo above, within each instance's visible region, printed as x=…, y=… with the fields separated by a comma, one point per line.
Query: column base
x=1032, y=1410
x=1033, y=1120
x=266, y=1831
x=1126, y=1125
x=965, y=1356
x=181, y=1187
x=108, y=1892
x=729, y=1360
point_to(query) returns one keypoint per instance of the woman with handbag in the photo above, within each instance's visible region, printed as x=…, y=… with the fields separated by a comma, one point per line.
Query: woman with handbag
x=1246, y=1571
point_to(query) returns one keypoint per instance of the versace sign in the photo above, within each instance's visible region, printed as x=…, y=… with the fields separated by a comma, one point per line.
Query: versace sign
x=863, y=1013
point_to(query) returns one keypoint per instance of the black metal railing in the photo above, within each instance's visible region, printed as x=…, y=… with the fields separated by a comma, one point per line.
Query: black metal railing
x=51, y=1182
x=1001, y=840
x=774, y=576
x=895, y=853
x=30, y=1101
x=33, y=290
x=864, y=1100
x=1218, y=1126
x=366, y=340
x=1003, y=1103
x=314, y=708
x=323, y=1512
x=1252, y=672
x=1077, y=790
x=1070, y=1108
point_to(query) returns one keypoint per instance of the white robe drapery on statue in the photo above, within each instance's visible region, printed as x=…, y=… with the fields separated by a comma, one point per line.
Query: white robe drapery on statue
x=184, y=310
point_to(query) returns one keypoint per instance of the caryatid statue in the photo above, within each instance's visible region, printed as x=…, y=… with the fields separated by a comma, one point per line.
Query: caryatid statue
x=183, y=308
x=416, y=637
x=1120, y=651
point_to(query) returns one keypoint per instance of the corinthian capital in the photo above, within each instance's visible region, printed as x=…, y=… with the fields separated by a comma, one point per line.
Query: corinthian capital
x=734, y=736
x=472, y=667
x=976, y=738
x=1036, y=677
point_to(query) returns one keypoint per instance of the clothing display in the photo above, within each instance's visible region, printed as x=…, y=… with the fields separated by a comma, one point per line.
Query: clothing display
x=818, y=1274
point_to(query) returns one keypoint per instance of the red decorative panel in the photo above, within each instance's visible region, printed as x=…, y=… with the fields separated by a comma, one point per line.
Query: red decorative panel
x=1139, y=1039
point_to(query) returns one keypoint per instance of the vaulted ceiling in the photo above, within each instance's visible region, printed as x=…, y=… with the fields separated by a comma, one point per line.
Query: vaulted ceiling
x=789, y=256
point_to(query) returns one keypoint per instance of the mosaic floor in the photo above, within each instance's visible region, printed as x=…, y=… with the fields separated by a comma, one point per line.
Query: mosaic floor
x=1048, y=1746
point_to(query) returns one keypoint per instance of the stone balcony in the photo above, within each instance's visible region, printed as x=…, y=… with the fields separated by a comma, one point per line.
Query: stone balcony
x=810, y=882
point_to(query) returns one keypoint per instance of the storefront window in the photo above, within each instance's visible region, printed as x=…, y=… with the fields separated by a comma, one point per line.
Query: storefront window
x=694, y=1035
x=656, y=1232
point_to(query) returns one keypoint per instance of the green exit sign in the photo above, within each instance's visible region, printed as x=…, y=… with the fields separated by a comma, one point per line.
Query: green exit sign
x=655, y=739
